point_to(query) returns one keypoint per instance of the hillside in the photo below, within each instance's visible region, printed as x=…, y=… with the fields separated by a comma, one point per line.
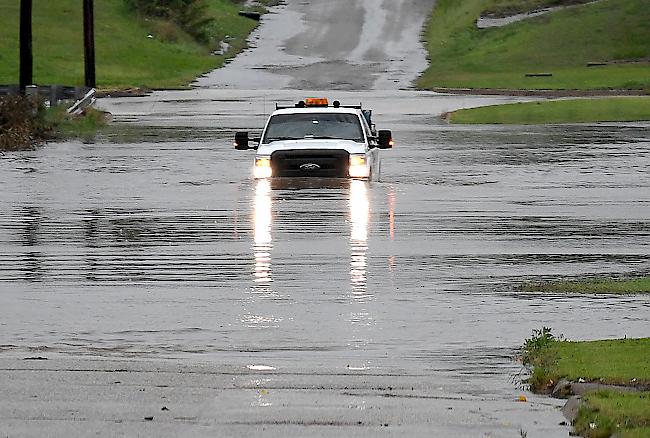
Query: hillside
x=126, y=55
x=562, y=43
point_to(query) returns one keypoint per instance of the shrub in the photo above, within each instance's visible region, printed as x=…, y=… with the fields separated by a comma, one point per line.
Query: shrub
x=166, y=31
x=535, y=345
x=189, y=15
x=536, y=354
x=22, y=123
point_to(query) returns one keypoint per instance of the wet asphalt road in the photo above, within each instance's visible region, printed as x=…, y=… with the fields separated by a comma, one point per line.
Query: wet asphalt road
x=150, y=270
x=333, y=44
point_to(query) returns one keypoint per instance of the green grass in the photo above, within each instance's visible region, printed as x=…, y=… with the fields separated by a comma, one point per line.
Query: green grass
x=560, y=43
x=617, y=361
x=66, y=126
x=639, y=285
x=639, y=432
x=125, y=56
x=607, y=412
x=614, y=109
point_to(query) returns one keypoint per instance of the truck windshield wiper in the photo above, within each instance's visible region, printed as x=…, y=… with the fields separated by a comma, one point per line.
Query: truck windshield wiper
x=326, y=137
x=281, y=139
x=323, y=137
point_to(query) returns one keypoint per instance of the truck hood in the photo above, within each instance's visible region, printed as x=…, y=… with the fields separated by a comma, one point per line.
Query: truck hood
x=350, y=146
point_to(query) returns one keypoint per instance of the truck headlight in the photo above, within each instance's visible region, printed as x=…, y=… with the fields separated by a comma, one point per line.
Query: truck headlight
x=358, y=166
x=262, y=167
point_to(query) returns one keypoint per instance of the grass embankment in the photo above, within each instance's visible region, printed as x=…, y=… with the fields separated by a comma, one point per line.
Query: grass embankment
x=619, y=362
x=126, y=57
x=622, y=286
x=561, y=43
x=613, y=109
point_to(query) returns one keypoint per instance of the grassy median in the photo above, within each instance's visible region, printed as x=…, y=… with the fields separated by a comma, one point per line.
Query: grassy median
x=612, y=109
x=131, y=51
x=623, y=286
x=620, y=362
x=559, y=45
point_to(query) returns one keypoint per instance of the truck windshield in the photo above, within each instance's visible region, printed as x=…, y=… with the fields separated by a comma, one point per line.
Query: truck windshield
x=313, y=125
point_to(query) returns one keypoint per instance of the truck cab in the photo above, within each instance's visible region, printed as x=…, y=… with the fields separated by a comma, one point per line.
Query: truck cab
x=315, y=139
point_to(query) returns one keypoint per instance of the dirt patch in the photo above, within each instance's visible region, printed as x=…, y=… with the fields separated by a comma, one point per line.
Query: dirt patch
x=508, y=8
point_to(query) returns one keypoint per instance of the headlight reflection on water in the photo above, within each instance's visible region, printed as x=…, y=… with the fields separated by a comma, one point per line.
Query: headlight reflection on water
x=359, y=215
x=359, y=218
x=262, y=221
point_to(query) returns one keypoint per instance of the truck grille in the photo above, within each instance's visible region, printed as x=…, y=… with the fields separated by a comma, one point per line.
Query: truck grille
x=316, y=162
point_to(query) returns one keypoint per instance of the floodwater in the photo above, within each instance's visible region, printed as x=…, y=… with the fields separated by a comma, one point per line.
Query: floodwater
x=308, y=307
x=153, y=241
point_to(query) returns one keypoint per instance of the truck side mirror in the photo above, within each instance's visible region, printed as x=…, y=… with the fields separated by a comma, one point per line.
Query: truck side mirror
x=241, y=140
x=385, y=139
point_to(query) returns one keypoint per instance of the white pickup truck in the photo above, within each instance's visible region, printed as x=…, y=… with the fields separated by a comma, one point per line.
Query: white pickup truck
x=313, y=138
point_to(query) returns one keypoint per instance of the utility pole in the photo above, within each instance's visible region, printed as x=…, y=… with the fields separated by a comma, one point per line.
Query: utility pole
x=26, y=60
x=89, y=43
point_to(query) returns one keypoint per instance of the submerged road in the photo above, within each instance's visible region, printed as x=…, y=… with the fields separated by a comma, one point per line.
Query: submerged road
x=332, y=45
x=158, y=290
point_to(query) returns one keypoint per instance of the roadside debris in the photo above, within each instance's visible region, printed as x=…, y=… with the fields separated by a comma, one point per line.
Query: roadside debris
x=252, y=15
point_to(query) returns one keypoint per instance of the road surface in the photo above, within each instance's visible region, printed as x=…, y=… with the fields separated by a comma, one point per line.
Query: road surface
x=149, y=286
x=332, y=45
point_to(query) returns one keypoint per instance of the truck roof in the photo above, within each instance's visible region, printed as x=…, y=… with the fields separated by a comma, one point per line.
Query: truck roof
x=317, y=109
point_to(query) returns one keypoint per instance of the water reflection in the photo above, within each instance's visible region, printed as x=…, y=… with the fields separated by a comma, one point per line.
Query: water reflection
x=263, y=242
x=392, y=266
x=33, y=217
x=391, y=212
x=359, y=216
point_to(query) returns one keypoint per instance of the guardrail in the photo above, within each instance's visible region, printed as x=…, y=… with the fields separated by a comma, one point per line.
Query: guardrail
x=52, y=94
x=83, y=103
